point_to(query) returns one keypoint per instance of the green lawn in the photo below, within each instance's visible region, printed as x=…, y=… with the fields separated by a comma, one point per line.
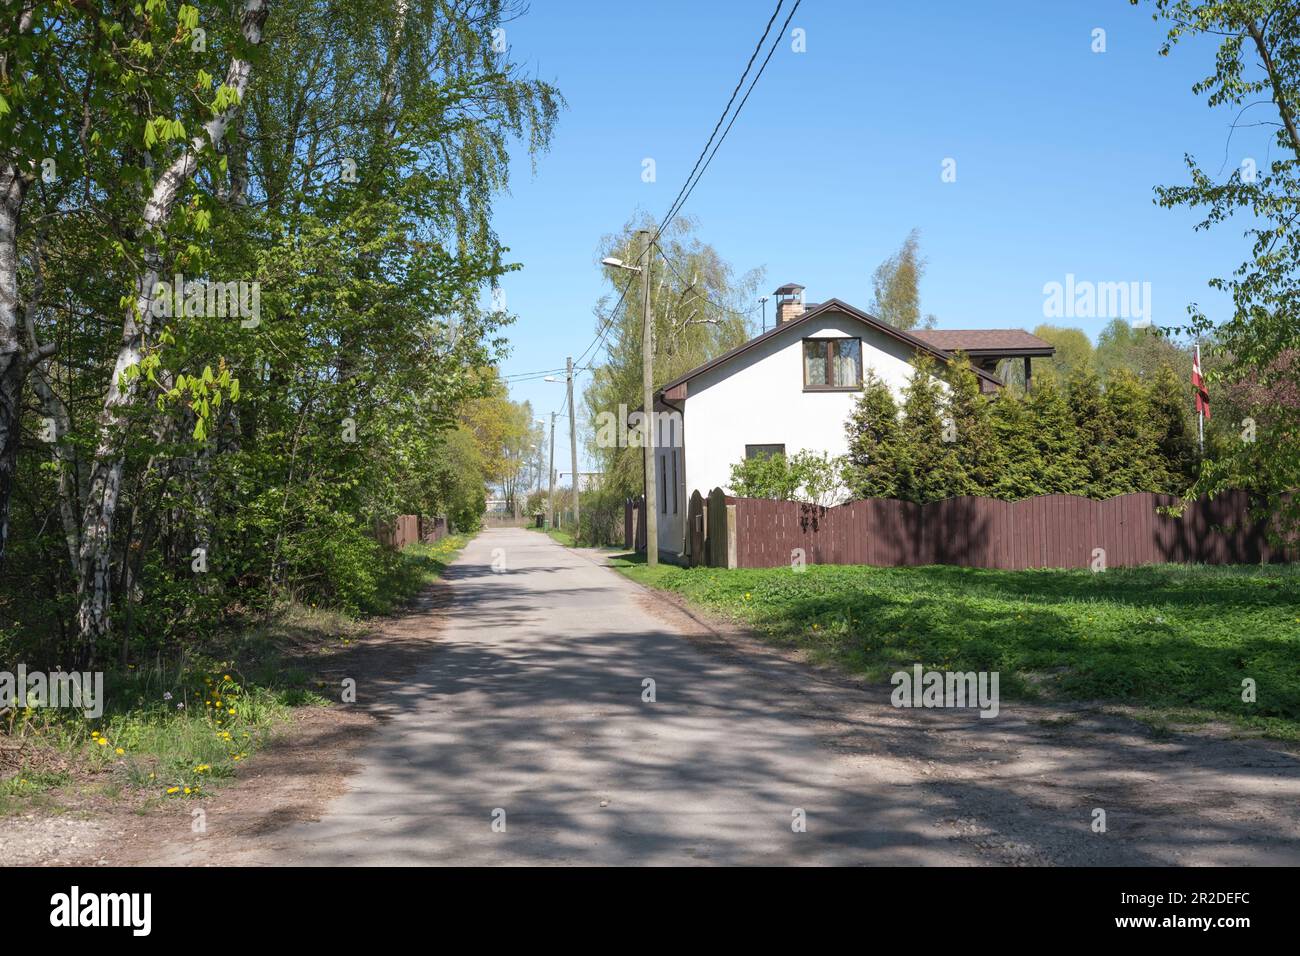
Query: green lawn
x=1176, y=638
x=564, y=537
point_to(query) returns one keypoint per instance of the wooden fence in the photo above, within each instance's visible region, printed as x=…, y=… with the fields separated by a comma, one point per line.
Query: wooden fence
x=406, y=530
x=1051, y=531
x=634, y=524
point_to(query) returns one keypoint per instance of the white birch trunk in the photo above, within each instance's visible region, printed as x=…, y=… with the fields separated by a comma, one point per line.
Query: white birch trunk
x=105, y=478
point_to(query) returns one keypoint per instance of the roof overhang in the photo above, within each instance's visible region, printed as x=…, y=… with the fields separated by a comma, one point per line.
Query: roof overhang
x=678, y=388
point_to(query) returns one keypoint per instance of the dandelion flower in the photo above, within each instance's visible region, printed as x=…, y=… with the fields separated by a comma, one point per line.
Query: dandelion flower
x=119, y=751
x=102, y=741
x=173, y=789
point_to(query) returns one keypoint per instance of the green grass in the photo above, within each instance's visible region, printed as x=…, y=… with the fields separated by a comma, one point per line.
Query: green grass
x=1173, y=637
x=564, y=537
x=419, y=565
x=177, y=730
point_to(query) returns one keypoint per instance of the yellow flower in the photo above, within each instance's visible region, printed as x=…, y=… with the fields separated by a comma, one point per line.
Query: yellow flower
x=102, y=741
x=94, y=733
x=173, y=789
x=119, y=751
x=227, y=677
x=187, y=789
x=231, y=711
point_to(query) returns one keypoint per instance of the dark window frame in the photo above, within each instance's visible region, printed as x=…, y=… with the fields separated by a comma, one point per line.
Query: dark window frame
x=676, y=480
x=771, y=445
x=830, y=364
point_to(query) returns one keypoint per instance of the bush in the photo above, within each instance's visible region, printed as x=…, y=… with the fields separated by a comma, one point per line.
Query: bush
x=600, y=523
x=804, y=476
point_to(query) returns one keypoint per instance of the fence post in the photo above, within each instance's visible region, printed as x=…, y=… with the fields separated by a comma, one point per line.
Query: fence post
x=731, y=536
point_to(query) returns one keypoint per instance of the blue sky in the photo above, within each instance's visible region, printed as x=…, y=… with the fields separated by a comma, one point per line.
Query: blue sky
x=838, y=154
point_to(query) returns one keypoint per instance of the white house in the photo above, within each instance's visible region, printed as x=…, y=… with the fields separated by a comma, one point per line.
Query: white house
x=792, y=388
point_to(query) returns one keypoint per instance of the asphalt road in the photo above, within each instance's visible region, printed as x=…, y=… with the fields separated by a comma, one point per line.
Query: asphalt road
x=530, y=713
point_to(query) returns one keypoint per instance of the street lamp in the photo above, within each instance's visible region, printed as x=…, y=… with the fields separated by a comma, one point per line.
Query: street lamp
x=647, y=390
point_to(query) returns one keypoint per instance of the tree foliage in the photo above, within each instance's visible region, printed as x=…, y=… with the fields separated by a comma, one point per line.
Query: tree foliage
x=896, y=284
x=1257, y=67
x=701, y=309
x=948, y=438
x=339, y=160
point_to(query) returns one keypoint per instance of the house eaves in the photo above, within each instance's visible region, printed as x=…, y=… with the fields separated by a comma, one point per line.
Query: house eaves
x=677, y=389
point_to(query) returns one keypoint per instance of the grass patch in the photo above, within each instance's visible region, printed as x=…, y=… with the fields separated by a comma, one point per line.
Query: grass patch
x=175, y=730
x=1169, y=636
x=559, y=535
x=418, y=566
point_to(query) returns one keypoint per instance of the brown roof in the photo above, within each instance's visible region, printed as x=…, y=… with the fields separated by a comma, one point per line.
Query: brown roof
x=910, y=338
x=985, y=341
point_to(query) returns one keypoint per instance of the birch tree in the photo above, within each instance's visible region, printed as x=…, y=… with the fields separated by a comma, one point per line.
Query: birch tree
x=104, y=483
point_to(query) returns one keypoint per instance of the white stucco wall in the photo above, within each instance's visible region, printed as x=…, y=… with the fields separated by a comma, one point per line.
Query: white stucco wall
x=758, y=398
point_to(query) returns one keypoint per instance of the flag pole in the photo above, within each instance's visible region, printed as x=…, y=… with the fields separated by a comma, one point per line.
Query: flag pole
x=1200, y=408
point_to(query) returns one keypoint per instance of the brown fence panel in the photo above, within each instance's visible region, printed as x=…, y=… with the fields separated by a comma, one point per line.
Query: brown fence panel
x=407, y=530
x=1061, y=531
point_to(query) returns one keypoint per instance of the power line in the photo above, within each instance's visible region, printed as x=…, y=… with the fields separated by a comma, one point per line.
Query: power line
x=608, y=324
x=522, y=376
x=758, y=76
x=672, y=210
x=705, y=297
x=692, y=180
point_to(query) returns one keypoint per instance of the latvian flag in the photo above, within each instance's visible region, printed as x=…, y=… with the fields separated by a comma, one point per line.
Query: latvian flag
x=1198, y=383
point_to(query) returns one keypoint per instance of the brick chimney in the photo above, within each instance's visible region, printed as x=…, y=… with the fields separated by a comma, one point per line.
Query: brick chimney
x=789, y=302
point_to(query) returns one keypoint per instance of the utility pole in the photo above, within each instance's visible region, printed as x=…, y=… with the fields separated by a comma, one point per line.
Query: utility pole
x=573, y=440
x=648, y=403
x=550, y=495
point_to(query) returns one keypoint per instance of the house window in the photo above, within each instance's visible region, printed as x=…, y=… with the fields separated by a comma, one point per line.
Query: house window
x=674, y=454
x=663, y=484
x=754, y=451
x=832, y=363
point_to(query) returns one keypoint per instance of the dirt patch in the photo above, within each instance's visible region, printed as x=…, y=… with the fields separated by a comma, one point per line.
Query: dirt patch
x=289, y=780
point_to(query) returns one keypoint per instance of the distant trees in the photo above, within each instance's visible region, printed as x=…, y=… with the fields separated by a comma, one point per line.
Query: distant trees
x=1084, y=438
x=701, y=308
x=897, y=286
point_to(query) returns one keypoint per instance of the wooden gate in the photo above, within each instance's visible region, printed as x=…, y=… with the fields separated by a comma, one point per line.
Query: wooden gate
x=695, y=529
